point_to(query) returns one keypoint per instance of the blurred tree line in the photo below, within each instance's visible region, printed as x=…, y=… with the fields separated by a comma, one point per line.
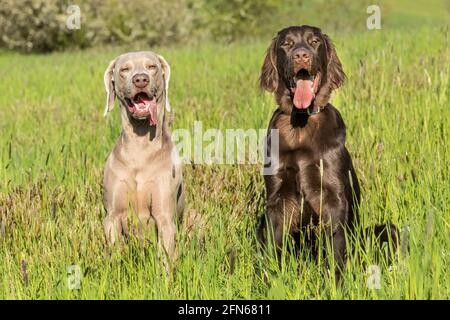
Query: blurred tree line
x=41, y=25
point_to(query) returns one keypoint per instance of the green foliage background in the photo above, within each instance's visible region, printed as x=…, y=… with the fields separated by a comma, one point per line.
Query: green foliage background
x=39, y=25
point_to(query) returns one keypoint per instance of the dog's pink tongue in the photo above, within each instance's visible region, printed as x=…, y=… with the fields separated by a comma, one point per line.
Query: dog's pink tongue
x=153, y=115
x=303, y=94
x=148, y=107
x=151, y=106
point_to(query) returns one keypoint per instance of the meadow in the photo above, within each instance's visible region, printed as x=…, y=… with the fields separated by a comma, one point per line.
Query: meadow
x=54, y=141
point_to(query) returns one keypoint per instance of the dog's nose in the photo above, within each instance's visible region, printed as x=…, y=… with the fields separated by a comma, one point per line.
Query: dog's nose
x=302, y=55
x=140, y=80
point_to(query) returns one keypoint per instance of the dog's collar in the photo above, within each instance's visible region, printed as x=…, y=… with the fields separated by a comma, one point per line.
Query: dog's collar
x=311, y=110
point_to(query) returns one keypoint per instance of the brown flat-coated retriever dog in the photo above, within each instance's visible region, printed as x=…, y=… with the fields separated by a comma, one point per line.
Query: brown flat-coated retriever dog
x=315, y=183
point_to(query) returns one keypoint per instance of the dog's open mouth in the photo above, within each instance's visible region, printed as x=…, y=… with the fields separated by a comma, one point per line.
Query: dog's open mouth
x=306, y=86
x=141, y=106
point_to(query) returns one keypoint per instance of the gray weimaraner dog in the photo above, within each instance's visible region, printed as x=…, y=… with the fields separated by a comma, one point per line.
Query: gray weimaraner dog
x=143, y=171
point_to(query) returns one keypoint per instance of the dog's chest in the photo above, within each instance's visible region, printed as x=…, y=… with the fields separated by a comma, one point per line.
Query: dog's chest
x=295, y=138
x=298, y=154
x=298, y=162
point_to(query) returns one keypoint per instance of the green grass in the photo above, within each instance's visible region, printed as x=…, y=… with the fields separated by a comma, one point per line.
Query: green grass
x=54, y=142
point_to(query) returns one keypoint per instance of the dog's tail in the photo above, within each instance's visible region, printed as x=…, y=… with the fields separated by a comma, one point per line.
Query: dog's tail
x=385, y=238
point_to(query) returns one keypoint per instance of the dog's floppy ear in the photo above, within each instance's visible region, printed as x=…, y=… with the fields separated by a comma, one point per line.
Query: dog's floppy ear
x=335, y=72
x=166, y=76
x=269, y=72
x=109, y=86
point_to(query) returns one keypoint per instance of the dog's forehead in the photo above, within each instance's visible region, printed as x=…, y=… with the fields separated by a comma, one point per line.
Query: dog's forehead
x=137, y=57
x=299, y=31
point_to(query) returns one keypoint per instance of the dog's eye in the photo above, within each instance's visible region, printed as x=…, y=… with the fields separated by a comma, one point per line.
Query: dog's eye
x=314, y=42
x=124, y=69
x=150, y=66
x=287, y=44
